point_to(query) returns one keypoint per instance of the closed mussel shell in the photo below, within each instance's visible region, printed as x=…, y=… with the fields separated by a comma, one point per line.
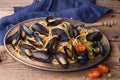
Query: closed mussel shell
x=43, y=56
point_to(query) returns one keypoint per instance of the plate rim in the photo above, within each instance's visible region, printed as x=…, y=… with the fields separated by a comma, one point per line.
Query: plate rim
x=49, y=69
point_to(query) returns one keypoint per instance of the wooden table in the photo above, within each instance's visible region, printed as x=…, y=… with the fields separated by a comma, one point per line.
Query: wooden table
x=11, y=69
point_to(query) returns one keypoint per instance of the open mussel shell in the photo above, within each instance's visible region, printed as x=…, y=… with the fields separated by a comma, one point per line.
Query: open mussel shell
x=94, y=36
x=42, y=56
x=71, y=53
x=52, y=21
x=101, y=48
x=37, y=38
x=40, y=28
x=11, y=38
x=26, y=30
x=51, y=43
x=34, y=43
x=82, y=57
x=62, y=36
x=62, y=59
x=73, y=31
x=27, y=50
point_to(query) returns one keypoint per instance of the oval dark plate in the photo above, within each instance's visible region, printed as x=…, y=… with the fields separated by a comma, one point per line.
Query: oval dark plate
x=48, y=66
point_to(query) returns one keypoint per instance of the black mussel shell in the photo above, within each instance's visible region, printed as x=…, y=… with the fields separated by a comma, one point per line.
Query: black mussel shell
x=52, y=21
x=62, y=36
x=100, y=46
x=62, y=59
x=73, y=31
x=27, y=50
x=34, y=43
x=82, y=57
x=51, y=51
x=70, y=31
x=94, y=36
x=51, y=42
x=13, y=37
x=70, y=53
x=27, y=30
x=37, y=38
x=22, y=33
x=40, y=28
x=43, y=56
x=27, y=46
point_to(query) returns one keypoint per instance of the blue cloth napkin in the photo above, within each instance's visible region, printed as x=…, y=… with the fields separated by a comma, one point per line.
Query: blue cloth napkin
x=82, y=10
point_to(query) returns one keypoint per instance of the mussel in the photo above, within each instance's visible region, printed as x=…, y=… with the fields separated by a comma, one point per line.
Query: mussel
x=52, y=42
x=71, y=53
x=82, y=57
x=62, y=59
x=94, y=36
x=37, y=38
x=12, y=38
x=40, y=28
x=26, y=30
x=43, y=56
x=101, y=48
x=27, y=50
x=62, y=36
x=52, y=21
x=73, y=31
x=34, y=43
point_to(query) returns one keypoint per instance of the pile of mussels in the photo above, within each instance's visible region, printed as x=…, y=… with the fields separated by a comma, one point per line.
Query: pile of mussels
x=57, y=41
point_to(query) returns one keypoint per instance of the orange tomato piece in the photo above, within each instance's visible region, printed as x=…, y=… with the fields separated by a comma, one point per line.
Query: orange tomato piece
x=103, y=68
x=80, y=47
x=94, y=74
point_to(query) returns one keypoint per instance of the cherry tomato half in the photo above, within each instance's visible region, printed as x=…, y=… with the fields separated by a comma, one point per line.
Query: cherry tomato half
x=94, y=74
x=103, y=68
x=80, y=47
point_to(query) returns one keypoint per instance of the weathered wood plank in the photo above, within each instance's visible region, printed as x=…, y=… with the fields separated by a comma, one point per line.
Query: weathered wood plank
x=16, y=69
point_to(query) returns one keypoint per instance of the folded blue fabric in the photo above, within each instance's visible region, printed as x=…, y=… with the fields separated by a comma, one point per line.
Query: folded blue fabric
x=82, y=10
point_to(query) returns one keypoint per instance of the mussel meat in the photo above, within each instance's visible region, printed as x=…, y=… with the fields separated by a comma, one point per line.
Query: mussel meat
x=70, y=53
x=27, y=50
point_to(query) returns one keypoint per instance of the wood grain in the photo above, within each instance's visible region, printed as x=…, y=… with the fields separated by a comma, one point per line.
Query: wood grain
x=11, y=69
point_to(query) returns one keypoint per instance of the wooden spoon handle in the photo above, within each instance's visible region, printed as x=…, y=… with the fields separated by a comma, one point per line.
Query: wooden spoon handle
x=100, y=24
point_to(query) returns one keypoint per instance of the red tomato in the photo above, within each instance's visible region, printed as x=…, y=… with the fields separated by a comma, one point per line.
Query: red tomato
x=80, y=47
x=103, y=68
x=94, y=74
